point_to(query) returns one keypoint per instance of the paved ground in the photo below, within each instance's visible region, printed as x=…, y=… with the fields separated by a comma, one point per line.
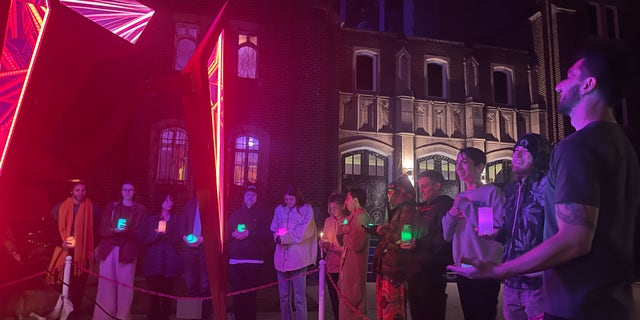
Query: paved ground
x=268, y=305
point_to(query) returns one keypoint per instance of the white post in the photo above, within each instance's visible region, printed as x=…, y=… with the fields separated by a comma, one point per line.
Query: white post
x=321, y=290
x=67, y=277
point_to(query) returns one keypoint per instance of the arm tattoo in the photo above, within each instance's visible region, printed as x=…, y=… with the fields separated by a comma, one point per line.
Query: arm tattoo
x=574, y=214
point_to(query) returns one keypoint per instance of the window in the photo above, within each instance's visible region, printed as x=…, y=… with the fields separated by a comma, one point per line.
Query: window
x=436, y=77
x=185, y=44
x=499, y=172
x=602, y=21
x=393, y=16
x=172, y=156
x=366, y=66
x=247, y=56
x=593, y=15
x=353, y=164
x=361, y=14
x=440, y=163
x=502, y=85
x=377, y=165
x=446, y=166
x=364, y=163
x=611, y=16
x=246, y=158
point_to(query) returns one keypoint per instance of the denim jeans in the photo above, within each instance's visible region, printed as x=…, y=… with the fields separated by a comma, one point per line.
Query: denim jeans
x=299, y=283
x=521, y=304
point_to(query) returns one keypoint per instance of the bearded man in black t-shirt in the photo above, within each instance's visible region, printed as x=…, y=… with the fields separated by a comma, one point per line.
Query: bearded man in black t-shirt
x=594, y=182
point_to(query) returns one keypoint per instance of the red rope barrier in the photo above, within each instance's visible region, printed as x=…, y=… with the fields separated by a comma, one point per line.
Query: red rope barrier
x=344, y=299
x=23, y=279
x=194, y=298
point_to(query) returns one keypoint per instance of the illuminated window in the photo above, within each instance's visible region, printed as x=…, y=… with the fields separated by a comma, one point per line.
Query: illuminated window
x=436, y=77
x=246, y=160
x=172, y=156
x=364, y=163
x=502, y=85
x=446, y=166
x=366, y=67
x=247, y=56
x=499, y=172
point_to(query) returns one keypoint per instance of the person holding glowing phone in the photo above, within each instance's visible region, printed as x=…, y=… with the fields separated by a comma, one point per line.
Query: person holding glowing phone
x=118, y=252
x=247, y=233
x=161, y=258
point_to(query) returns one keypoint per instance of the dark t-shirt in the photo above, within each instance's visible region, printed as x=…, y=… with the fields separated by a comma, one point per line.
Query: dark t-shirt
x=595, y=166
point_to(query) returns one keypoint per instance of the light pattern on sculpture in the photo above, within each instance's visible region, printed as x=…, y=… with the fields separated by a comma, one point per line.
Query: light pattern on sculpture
x=215, y=72
x=24, y=26
x=124, y=18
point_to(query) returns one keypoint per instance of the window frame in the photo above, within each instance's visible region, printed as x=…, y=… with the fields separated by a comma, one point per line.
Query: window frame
x=247, y=44
x=167, y=176
x=508, y=71
x=246, y=159
x=375, y=56
x=444, y=63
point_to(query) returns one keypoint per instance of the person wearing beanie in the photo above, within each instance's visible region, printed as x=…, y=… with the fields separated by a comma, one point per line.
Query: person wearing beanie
x=247, y=233
x=479, y=202
x=592, y=195
x=524, y=215
x=393, y=260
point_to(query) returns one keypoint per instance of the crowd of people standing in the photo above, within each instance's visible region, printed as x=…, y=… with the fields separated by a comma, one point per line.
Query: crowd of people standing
x=569, y=213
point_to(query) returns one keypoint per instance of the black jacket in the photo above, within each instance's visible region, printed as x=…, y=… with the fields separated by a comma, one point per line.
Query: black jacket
x=524, y=207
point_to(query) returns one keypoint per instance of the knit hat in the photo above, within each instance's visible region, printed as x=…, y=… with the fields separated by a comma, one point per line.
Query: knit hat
x=403, y=186
x=538, y=147
x=252, y=188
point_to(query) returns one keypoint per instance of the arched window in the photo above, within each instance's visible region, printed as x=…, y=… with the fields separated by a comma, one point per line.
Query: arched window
x=172, y=156
x=446, y=166
x=502, y=85
x=247, y=56
x=499, y=172
x=185, y=41
x=246, y=158
x=368, y=171
x=436, y=77
x=366, y=67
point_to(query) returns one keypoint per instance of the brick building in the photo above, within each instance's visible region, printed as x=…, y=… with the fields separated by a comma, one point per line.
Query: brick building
x=325, y=94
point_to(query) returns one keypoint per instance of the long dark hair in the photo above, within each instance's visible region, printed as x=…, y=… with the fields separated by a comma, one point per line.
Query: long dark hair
x=294, y=191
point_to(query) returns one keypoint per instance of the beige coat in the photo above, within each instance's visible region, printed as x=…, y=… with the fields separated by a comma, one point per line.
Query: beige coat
x=353, y=265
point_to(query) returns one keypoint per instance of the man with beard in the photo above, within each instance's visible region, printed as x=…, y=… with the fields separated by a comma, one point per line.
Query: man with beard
x=76, y=217
x=524, y=211
x=594, y=182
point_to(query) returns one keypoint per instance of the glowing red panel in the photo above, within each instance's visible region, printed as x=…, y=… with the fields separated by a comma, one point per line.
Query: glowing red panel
x=124, y=18
x=215, y=72
x=25, y=25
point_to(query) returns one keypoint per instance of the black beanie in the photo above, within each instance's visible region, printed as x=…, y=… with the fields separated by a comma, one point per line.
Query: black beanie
x=538, y=147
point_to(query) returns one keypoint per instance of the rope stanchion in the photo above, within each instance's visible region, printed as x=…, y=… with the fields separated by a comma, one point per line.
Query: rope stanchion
x=323, y=268
x=66, y=278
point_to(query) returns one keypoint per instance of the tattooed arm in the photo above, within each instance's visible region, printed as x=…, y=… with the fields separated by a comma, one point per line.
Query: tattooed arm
x=576, y=229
